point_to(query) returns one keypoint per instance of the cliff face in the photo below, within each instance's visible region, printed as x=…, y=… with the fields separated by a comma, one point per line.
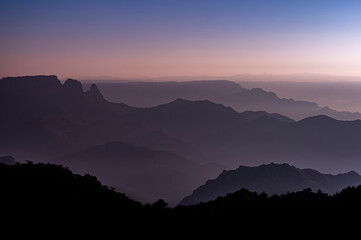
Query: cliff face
x=42, y=118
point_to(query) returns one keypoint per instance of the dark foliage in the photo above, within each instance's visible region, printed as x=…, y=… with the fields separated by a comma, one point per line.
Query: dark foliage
x=300, y=212
x=52, y=193
x=48, y=184
x=271, y=179
x=52, y=190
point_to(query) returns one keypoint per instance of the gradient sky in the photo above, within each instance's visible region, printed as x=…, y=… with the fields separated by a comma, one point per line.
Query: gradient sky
x=136, y=38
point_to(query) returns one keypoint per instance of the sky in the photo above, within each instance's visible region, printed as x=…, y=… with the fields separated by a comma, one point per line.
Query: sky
x=153, y=38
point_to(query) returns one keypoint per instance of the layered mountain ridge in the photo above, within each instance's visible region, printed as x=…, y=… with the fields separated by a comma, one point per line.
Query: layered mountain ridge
x=271, y=179
x=45, y=120
x=228, y=93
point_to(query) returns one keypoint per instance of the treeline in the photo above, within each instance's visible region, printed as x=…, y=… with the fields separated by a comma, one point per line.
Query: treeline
x=48, y=188
x=51, y=191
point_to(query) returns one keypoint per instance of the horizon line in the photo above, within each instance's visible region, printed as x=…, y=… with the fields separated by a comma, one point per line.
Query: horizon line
x=232, y=77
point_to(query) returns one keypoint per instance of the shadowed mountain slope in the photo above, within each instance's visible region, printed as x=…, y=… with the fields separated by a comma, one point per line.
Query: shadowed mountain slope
x=318, y=142
x=44, y=119
x=142, y=173
x=41, y=117
x=271, y=179
x=148, y=94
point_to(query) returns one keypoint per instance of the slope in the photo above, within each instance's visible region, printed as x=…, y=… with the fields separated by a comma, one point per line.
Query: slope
x=228, y=93
x=142, y=173
x=272, y=179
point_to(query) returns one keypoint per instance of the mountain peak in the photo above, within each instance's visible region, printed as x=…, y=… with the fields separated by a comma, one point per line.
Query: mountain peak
x=30, y=85
x=72, y=85
x=38, y=78
x=94, y=88
x=317, y=119
x=277, y=165
x=181, y=100
x=94, y=93
x=186, y=101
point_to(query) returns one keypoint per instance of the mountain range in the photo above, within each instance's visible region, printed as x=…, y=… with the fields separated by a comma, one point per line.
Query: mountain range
x=42, y=118
x=318, y=142
x=53, y=193
x=228, y=93
x=144, y=174
x=181, y=143
x=271, y=179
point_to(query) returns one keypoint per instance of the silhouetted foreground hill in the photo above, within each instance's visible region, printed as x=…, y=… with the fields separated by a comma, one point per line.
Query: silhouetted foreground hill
x=148, y=94
x=303, y=207
x=52, y=186
x=9, y=160
x=271, y=179
x=44, y=193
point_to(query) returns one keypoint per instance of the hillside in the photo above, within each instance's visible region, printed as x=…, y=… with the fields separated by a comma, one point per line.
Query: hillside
x=46, y=120
x=318, y=142
x=57, y=188
x=54, y=197
x=42, y=118
x=228, y=93
x=271, y=179
x=143, y=173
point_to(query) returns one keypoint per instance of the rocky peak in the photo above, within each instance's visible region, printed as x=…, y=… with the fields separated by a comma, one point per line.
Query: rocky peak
x=73, y=86
x=30, y=85
x=94, y=93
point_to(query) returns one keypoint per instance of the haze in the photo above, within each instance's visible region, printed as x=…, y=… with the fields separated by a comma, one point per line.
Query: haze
x=132, y=39
x=156, y=106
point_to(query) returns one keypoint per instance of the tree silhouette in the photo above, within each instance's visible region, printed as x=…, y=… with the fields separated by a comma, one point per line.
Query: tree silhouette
x=51, y=191
x=160, y=204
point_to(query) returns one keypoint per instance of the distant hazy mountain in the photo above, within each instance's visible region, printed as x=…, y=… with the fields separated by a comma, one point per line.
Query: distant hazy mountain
x=158, y=140
x=272, y=179
x=190, y=120
x=41, y=117
x=338, y=93
x=257, y=99
x=318, y=142
x=148, y=94
x=142, y=173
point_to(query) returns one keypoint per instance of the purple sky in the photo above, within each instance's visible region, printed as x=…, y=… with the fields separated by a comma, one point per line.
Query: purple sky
x=175, y=38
